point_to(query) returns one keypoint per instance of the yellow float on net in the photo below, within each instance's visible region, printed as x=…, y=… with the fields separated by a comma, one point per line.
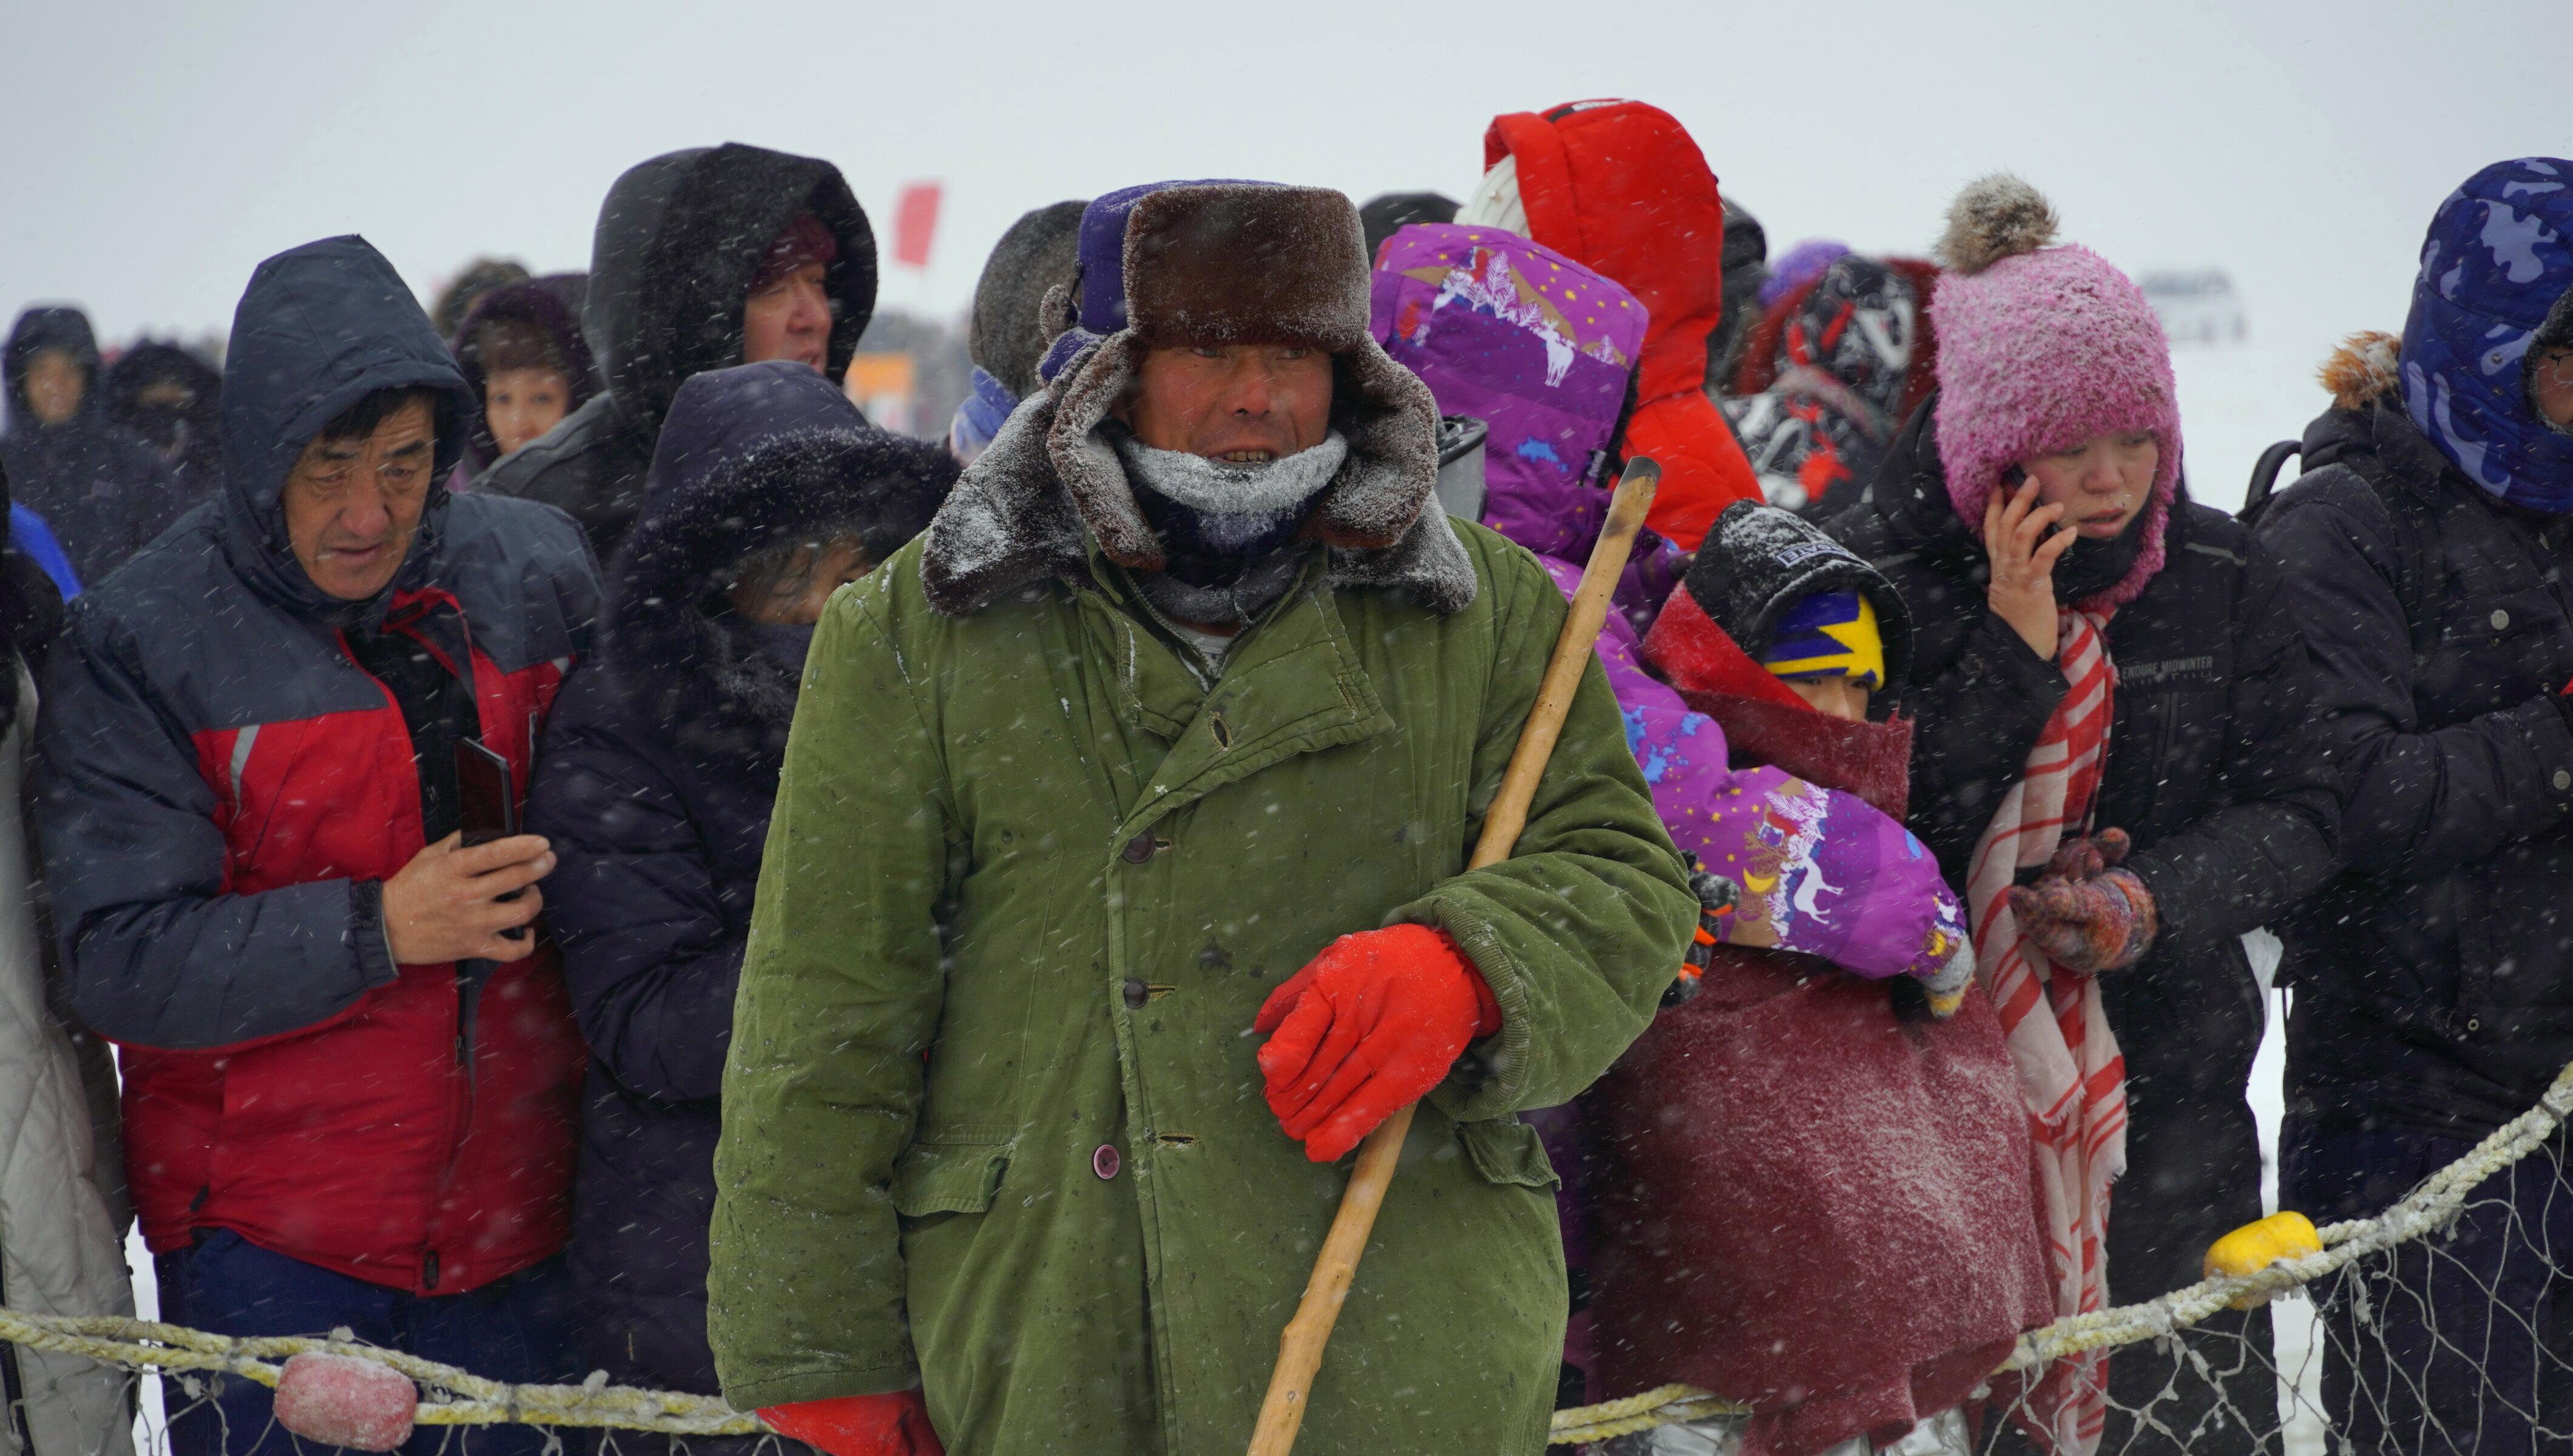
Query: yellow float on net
x=2256, y=1247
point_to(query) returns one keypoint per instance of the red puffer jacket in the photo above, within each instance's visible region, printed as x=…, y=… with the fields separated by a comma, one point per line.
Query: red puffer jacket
x=1619, y=187
x=223, y=790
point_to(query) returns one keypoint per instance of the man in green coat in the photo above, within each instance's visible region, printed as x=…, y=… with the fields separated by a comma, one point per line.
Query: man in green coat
x=1181, y=716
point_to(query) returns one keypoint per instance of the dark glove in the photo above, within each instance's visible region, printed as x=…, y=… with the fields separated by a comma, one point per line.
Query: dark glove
x=2104, y=923
x=1367, y=1029
x=1716, y=898
x=859, y=1426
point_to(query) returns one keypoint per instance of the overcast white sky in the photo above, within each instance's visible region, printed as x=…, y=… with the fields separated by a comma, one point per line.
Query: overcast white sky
x=157, y=151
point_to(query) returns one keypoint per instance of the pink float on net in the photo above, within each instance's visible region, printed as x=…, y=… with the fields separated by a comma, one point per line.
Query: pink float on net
x=343, y=1400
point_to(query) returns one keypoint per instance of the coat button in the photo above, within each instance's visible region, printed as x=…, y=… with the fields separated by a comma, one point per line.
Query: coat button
x=1103, y=1162
x=2474, y=1024
x=2500, y=619
x=1140, y=848
x=2563, y=778
x=1136, y=993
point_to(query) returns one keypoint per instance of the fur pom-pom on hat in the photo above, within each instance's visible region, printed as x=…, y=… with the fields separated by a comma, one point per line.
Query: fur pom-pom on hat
x=1996, y=217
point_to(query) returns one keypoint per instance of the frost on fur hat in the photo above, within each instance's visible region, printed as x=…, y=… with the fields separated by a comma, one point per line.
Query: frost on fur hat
x=2040, y=348
x=1181, y=262
x=1219, y=262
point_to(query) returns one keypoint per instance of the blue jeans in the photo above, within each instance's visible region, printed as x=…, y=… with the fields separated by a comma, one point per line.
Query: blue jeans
x=2452, y=1341
x=517, y=1329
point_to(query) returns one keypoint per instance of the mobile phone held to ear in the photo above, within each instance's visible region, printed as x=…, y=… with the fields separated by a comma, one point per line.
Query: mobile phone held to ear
x=487, y=804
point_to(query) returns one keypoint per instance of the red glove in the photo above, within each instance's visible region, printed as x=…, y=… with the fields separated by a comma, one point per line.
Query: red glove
x=1368, y=1028
x=859, y=1426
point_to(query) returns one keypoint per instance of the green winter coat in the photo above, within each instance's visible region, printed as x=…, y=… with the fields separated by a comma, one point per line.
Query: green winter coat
x=992, y=1114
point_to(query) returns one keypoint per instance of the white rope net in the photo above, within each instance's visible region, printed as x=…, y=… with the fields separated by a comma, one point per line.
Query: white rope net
x=2443, y=1324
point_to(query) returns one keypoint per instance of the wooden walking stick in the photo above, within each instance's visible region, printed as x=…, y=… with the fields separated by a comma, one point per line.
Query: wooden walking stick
x=1299, y=1349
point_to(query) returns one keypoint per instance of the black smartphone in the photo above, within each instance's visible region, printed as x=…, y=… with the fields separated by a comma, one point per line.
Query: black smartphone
x=487, y=799
x=487, y=804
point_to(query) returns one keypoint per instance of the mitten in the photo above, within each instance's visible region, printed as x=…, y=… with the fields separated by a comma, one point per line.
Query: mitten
x=2104, y=923
x=859, y=1426
x=2084, y=856
x=1368, y=1028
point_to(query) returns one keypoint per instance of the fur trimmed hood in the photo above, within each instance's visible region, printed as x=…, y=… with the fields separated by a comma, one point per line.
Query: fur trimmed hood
x=2368, y=367
x=750, y=459
x=1212, y=261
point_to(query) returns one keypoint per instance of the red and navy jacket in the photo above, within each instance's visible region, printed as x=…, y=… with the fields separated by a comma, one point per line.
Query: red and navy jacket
x=222, y=793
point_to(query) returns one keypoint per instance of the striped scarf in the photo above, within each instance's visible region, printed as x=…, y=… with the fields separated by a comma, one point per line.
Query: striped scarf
x=2071, y=1074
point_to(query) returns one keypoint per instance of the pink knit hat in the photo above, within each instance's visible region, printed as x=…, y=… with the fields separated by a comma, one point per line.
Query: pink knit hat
x=2041, y=349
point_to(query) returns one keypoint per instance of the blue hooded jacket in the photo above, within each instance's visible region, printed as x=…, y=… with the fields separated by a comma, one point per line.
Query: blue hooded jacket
x=2496, y=264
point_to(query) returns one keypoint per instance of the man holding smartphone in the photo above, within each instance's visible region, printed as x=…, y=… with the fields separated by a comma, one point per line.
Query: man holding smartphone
x=350, y=1068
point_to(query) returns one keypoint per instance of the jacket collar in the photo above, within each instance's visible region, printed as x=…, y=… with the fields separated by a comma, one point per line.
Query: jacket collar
x=1051, y=490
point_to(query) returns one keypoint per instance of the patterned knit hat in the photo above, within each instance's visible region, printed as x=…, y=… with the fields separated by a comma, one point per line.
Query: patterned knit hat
x=1829, y=634
x=2042, y=347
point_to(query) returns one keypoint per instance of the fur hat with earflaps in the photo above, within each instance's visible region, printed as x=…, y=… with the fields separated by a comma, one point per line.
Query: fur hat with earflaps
x=1197, y=263
x=2043, y=346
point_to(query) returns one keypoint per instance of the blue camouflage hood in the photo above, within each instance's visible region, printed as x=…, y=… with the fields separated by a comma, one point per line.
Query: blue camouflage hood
x=2498, y=258
x=320, y=328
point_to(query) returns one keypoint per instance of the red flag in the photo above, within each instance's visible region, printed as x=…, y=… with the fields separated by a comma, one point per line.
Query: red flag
x=915, y=217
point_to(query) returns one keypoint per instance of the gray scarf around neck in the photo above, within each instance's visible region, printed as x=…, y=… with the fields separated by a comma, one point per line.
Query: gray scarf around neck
x=1229, y=531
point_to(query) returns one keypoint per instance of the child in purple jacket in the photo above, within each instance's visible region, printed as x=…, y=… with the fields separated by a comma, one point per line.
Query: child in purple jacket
x=1542, y=351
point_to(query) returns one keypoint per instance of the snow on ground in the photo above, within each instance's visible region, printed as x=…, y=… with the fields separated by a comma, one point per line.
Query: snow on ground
x=148, y=1419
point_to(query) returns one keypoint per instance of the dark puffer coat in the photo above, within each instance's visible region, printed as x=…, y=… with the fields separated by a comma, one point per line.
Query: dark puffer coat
x=679, y=239
x=2434, y=976
x=100, y=487
x=2233, y=814
x=654, y=788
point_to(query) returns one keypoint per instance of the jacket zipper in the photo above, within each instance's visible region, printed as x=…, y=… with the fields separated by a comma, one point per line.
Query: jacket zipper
x=461, y=1103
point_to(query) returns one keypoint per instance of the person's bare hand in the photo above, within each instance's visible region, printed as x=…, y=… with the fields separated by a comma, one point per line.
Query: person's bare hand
x=2022, y=543
x=445, y=904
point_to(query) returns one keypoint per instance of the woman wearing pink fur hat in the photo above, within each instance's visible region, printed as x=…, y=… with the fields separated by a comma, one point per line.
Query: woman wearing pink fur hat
x=2109, y=762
